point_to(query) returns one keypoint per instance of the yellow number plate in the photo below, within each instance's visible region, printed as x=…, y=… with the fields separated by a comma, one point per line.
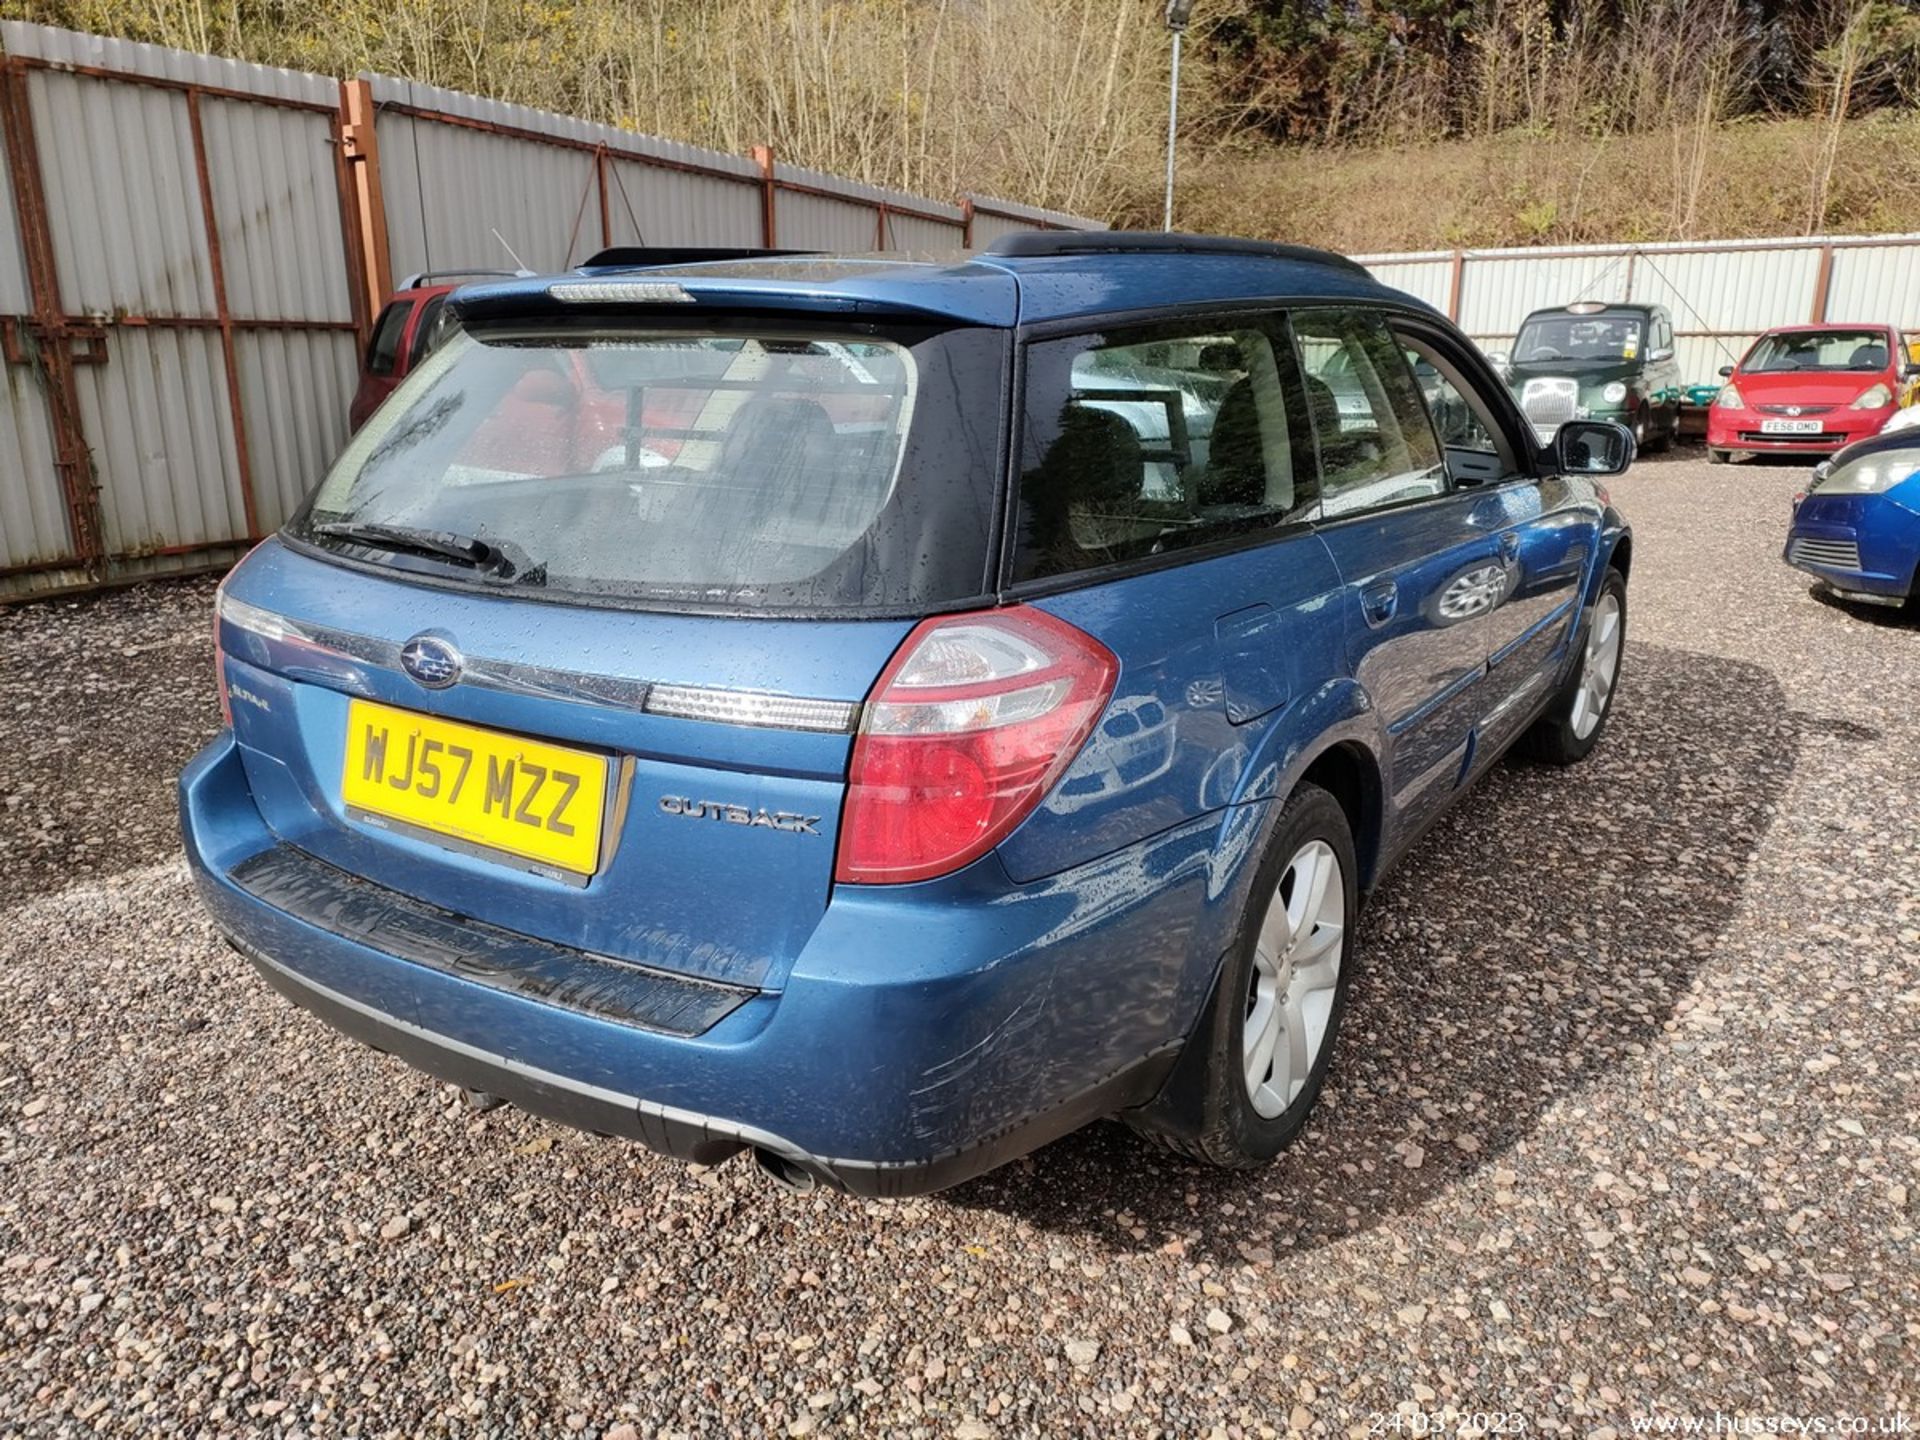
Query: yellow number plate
x=540, y=802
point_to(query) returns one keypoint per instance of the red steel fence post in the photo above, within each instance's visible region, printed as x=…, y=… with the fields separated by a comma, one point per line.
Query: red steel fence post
x=763, y=157
x=1822, y=286
x=373, y=265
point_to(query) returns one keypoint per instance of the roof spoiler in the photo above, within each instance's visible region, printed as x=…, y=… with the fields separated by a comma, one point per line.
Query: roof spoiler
x=1036, y=244
x=639, y=257
x=434, y=277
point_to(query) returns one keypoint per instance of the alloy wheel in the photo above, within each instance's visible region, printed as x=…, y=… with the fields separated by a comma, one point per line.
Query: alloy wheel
x=1296, y=971
x=1599, y=667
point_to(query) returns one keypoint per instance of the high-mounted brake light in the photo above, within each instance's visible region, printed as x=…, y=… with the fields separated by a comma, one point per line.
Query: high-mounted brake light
x=966, y=730
x=620, y=292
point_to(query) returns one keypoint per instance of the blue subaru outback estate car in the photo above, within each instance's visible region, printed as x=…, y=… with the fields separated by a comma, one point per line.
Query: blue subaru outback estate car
x=882, y=716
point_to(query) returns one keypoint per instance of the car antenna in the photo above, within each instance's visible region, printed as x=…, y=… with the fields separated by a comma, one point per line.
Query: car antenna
x=520, y=264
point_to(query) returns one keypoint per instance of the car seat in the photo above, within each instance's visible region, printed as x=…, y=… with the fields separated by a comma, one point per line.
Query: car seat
x=1236, y=469
x=1084, y=496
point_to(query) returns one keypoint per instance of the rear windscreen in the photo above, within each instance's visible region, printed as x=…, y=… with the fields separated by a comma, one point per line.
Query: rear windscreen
x=766, y=468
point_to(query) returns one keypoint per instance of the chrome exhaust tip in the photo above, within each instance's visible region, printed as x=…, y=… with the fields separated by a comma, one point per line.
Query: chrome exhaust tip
x=788, y=1174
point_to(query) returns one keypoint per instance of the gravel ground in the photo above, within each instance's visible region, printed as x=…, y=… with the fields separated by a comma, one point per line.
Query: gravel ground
x=102, y=700
x=1623, y=1122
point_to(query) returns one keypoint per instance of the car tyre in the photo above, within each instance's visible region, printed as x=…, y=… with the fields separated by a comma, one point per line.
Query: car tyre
x=1573, y=724
x=1251, y=1071
x=1660, y=435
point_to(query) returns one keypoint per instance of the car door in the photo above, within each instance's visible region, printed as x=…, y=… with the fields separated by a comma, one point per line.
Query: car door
x=1422, y=570
x=1543, y=528
x=1663, y=376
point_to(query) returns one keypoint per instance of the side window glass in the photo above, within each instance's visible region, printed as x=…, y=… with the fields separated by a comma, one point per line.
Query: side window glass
x=1457, y=419
x=384, y=349
x=1377, y=446
x=431, y=331
x=1136, y=443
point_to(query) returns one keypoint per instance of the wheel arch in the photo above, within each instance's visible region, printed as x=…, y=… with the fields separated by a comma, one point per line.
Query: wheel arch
x=1333, y=738
x=1620, y=557
x=1349, y=772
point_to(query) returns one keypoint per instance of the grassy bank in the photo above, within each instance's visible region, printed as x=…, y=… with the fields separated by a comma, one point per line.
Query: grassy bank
x=1740, y=179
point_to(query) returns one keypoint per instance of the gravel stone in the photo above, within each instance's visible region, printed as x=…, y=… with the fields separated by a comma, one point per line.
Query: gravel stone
x=1672, y=995
x=102, y=700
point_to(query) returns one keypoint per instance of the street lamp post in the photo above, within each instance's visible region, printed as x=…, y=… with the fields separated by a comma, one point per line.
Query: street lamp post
x=1179, y=13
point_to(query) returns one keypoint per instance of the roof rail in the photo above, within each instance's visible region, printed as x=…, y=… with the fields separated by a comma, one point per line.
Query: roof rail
x=1032, y=244
x=636, y=257
x=434, y=277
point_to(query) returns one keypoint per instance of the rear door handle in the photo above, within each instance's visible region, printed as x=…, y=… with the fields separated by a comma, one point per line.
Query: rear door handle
x=1378, y=602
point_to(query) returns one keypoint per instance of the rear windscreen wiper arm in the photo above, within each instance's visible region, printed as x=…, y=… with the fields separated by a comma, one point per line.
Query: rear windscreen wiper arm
x=496, y=557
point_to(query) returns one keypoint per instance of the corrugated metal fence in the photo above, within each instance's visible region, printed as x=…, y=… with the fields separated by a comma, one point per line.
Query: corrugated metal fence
x=1722, y=294
x=191, y=251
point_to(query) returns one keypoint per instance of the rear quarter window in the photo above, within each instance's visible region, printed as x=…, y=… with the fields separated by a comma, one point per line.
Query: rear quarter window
x=436, y=323
x=383, y=351
x=1139, y=443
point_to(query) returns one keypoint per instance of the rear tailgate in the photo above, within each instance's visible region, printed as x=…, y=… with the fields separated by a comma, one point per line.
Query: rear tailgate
x=717, y=853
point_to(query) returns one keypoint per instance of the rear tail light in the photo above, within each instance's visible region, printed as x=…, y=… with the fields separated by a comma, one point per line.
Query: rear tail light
x=219, y=657
x=967, y=728
x=235, y=612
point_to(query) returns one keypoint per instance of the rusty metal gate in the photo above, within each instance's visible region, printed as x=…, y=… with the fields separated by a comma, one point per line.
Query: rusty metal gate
x=179, y=326
x=192, y=251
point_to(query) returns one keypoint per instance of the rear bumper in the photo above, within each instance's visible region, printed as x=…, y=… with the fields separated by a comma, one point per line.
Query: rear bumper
x=927, y=1034
x=686, y=1134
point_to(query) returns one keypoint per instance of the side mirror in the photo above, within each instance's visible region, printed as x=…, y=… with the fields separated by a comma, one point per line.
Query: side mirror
x=1726, y=372
x=1593, y=447
x=1502, y=364
x=1665, y=352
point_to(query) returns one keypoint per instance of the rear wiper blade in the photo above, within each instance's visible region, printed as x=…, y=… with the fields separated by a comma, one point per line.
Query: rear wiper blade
x=501, y=558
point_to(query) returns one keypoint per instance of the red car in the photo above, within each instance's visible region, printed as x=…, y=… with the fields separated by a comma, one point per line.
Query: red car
x=415, y=320
x=1809, y=389
x=410, y=324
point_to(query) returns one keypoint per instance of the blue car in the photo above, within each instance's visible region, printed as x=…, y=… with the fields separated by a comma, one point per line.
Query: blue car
x=883, y=716
x=1857, y=529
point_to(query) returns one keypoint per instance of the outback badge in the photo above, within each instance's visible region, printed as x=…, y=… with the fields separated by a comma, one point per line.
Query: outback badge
x=761, y=817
